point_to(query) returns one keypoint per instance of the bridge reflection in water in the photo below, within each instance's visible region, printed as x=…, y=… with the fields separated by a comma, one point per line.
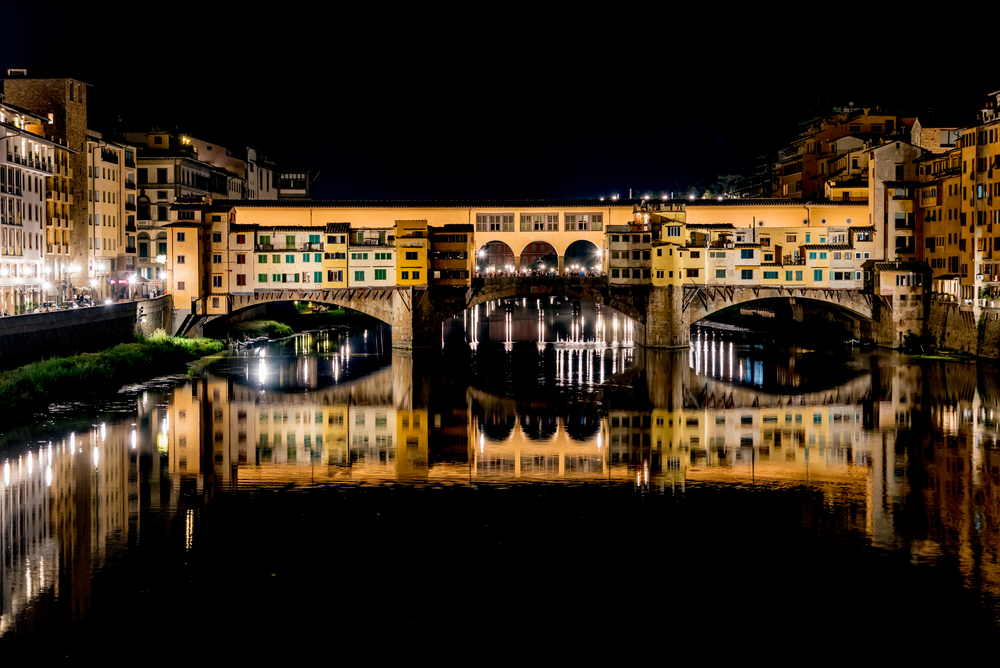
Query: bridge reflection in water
x=895, y=438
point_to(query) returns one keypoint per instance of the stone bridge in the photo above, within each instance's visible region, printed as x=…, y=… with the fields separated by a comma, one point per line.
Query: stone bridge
x=662, y=315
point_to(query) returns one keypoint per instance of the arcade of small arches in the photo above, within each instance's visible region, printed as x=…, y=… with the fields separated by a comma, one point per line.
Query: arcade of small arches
x=496, y=258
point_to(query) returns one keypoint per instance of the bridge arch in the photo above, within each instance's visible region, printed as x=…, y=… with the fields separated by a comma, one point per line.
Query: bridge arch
x=495, y=256
x=583, y=255
x=539, y=255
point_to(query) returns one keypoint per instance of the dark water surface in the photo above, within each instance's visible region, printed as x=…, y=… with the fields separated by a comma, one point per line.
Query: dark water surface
x=540, y=485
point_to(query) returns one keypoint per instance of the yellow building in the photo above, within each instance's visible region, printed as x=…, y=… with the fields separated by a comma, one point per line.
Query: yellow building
x=335, y=255
x=412, y=252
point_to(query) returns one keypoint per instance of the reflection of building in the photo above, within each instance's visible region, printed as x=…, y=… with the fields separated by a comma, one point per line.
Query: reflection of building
x=62, y=507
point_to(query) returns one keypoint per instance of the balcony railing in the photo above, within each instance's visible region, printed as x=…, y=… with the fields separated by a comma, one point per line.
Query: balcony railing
x=109, y=156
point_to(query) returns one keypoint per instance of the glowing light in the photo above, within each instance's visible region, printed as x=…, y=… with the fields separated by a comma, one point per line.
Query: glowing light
x=97, y=456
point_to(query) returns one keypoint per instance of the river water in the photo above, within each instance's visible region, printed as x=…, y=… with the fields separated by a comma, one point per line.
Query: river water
x=537, y=482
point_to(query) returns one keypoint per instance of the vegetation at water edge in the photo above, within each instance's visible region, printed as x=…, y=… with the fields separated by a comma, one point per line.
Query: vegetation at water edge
x=35, y=385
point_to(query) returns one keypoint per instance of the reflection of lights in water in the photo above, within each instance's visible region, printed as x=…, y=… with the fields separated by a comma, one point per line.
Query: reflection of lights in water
x=104, y=432
x=31, y=463
x=6, y=473
x=145, y=398
x=481, y=443
x=335, y=365
x=600, y=357
x=133, y=439
x=48, y=476
x=730, y=360
x=72, y=443
x=97, y=456
x=261, y=371
x=598, y=441
x=188, y=529
x=50, y=453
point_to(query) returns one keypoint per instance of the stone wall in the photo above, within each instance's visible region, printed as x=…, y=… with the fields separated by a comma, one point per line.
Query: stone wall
x=28, y=338
x=958, y=330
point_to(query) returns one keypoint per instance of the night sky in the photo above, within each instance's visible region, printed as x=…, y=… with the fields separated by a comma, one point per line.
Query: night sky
x=505, y=101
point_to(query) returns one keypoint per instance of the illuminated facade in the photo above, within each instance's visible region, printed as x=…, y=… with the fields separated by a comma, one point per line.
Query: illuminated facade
x=27, y=162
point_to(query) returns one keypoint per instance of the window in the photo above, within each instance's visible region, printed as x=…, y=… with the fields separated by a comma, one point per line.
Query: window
x=380, y=274
x=359, y=276
x=180, y=285
x=771, y=275
x=289, y=259
x=216, y=237
x=798, y=275
x=276, y=278
x=720, y=273
x=216, y=259
x=262, y=278
x=262, y=259
x=746, y=274
x=405, y=275
x=812, y=255
x=241, y=258
x=691, y=273
x=746, y=253
x=241, y=238
x=276, y=259
x=411, y=255
x=317, y=277
x=241, y=279
x=788, y=275
x=305, y=257
x=161, y=174
x=317, y=257
x=817, y=274
x=217, y=281
x=180, y=259
x=180, y=236
x=416, y=275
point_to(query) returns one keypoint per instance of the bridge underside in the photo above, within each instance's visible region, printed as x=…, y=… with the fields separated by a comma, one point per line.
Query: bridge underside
x=662, y=315
x=873, y=314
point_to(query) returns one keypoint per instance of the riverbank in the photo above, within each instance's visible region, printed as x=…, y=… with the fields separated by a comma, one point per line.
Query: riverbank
x=33, y=386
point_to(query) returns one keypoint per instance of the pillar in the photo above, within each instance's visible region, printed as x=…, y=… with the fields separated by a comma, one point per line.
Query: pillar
x=560, y=263
x=517, y=263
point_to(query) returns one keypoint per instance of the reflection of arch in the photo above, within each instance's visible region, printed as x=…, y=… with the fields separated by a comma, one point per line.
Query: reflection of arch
x=538, y=253
x=495, y=255
x=582, y=426
x=496, y=427
x=539, y=427
x=583, y=253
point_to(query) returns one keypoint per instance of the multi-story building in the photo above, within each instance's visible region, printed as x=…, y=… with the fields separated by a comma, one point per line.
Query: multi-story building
x=451, y=254
x=371, y=257
x=111, y=203
x=168, y=168
x=893, y=186
x=27, y=162
x=412, y=252
x=803, y=167
x=62, y=104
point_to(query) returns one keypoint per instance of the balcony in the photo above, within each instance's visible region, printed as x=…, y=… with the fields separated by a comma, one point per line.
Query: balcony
x=129, y=162
x=130, y=250
x=109, y=156
x=264, y=247
x=129, y=206
x=129, y=185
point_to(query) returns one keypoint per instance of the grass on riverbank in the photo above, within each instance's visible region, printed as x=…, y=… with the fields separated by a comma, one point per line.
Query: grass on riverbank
x=35, y=385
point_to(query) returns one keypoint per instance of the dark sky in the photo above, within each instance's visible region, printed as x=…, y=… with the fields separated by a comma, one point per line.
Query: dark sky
x=507, y=100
